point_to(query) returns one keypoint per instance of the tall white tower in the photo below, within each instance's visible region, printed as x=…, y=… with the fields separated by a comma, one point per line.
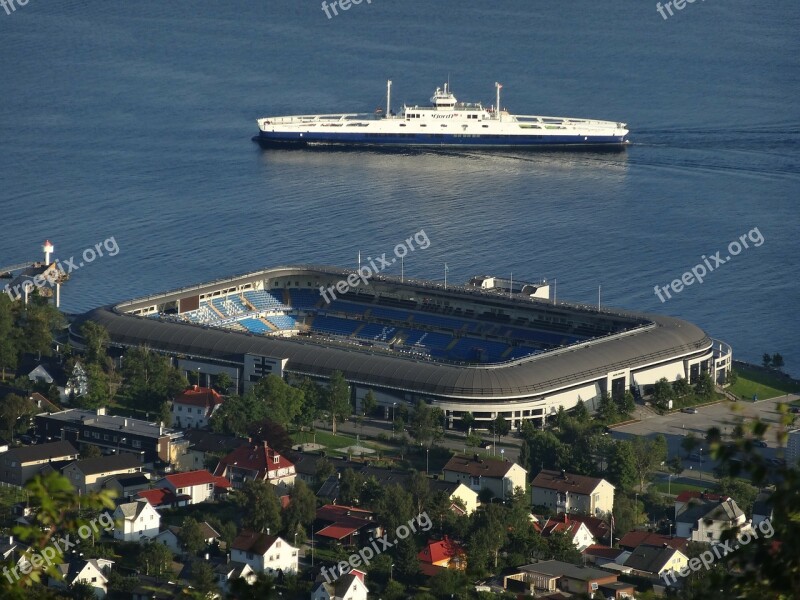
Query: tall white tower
x=48, y=250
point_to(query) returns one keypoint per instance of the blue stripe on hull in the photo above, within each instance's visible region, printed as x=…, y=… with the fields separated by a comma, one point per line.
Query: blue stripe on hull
x=422, y=139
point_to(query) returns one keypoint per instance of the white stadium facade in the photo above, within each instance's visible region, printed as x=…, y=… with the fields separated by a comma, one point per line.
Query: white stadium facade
x=485, y=348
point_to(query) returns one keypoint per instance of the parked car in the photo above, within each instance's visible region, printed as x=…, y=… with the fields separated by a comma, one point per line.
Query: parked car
x=690, y=410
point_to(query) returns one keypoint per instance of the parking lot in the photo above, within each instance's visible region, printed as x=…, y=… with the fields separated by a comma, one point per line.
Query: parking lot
x=724, y=415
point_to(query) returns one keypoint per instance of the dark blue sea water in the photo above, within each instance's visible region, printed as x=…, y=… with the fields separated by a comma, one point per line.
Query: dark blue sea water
x=133, y=120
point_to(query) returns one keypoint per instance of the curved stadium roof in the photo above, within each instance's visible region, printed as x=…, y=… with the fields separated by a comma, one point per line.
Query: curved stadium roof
x=665, y=339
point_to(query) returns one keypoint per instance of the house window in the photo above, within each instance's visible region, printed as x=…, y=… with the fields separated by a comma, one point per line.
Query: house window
x=85, y=433
x=136, y=444
x=96, y=435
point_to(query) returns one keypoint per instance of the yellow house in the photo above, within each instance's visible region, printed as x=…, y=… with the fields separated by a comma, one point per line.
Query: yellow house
x=566, y=492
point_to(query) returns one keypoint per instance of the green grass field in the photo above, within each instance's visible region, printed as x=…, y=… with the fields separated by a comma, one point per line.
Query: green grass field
x=677, y=488
x=764, y=385
x=327, y=439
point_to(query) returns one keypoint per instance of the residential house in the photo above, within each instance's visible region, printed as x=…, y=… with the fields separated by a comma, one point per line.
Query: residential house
x=706, y=518
x=199, y=486
x=194, y=407
x=441, y=554
x=553, y=575
x=347, y=525
x=631, y=540
x=152, y=442
x=600, y=530
x=256, y=462
x=127, y=486
x=170, y=537
x=347, y=587
x=656, y=561
x=456, y=491
x=228, y=571
x=501, y=477
x=204, y=446
x=602, y=555
x=12, y=549
x=88, y=571
x=89, y=475
x=566, y=492
x=18, y=465
x=762, y=508
x=264, y=553
x=578, y=532
x=136, y=521
x=161, y=498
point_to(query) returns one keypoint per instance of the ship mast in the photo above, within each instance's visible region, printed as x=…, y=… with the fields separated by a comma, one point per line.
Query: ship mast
x=497, y=106
x=388, y=98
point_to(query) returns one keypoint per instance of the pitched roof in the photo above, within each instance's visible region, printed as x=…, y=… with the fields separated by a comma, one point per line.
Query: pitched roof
x=561, y=481
x=131, y=480
x=557, y=568
x=340, y=521
x=39, y=452
x=597, y=527
x=259, y=458
x=650, y=559
x=199, y=477
x=131, y=510
x=344, y=583
x=161, y=497
x=208, y=441
x=604, y=552
x=201, y=397
x=107, y=464
x=726, y=510
x=560, y=524
x=632, y=539
x=251, y=541
x=476, y=466
x=438, y=550
x=337, y=532
x=207, y=530
x=687, y=495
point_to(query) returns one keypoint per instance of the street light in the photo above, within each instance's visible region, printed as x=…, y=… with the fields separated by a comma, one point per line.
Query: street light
x=669, y=484
x=427, y=459
x=391, y=571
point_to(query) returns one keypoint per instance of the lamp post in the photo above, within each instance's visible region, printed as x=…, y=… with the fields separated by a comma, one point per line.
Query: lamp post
x=198, y=378
x=669, y=484
x=393, y=405
x=391, y=572
x=636, y=509
x=427, y=459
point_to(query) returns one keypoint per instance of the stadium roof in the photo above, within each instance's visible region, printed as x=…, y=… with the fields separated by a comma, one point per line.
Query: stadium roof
x=663, y=340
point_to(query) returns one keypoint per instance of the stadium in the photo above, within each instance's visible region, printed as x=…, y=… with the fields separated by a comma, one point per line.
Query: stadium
x=490, y=347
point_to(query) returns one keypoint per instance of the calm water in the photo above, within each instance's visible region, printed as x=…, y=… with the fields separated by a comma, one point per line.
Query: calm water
x=133, y=120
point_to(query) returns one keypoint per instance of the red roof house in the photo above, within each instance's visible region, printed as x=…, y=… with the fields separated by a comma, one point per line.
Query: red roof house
x=441, y=554
x=163, y=498
x=194, y=407
x=198, y=485
x=256, y=462
x=345, y=524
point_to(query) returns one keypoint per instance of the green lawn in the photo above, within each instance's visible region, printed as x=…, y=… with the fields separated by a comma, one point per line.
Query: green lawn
x=326, y=438
x=764, y=385
x=677, y=488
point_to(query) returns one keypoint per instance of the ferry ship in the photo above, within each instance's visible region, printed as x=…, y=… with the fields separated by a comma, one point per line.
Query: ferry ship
x=446, y=122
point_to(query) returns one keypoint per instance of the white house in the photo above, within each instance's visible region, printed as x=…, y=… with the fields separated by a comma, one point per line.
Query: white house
x=83, y=571
x=194, y=407
x=501, y=477
x=581, y=537
x=567, y=492
x=170, y=537
x=264, y=553
x=198, y=485
x=226, y=572
x=136, y=521
x=705, y=517
x=347, y=587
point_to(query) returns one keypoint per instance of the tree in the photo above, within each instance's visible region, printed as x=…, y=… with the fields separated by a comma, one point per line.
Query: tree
x=499, y=426
x=467, y=421
x=313, y=401
x=191, y=536
x=607, y=409
x=648, y=454
x=777, y=361
x=223, y=383
x=704, y=387
x=324, y=470
x=301, y=510
x=744, y=493
x=13, y=411
x=369, y=403
x=395, y=508
x=270, y=432
x=350, y=486
x=338, y=399
x=766, y=359
x=627, y=403
x=420, y=487
x=150, y=379
x=406, y=563
x=260, y=508
x=681, y=387
x=562, y=548
x=621, y=470
x=422, y=423
x=580, y=413
x=662, y=392
x=675, y=465
x=8, y=332
x=448, y=582
x=155, y=560
x=98, y=388
x=90, y=451
x=283, y=402
x=203, y=577
x=95, y=338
